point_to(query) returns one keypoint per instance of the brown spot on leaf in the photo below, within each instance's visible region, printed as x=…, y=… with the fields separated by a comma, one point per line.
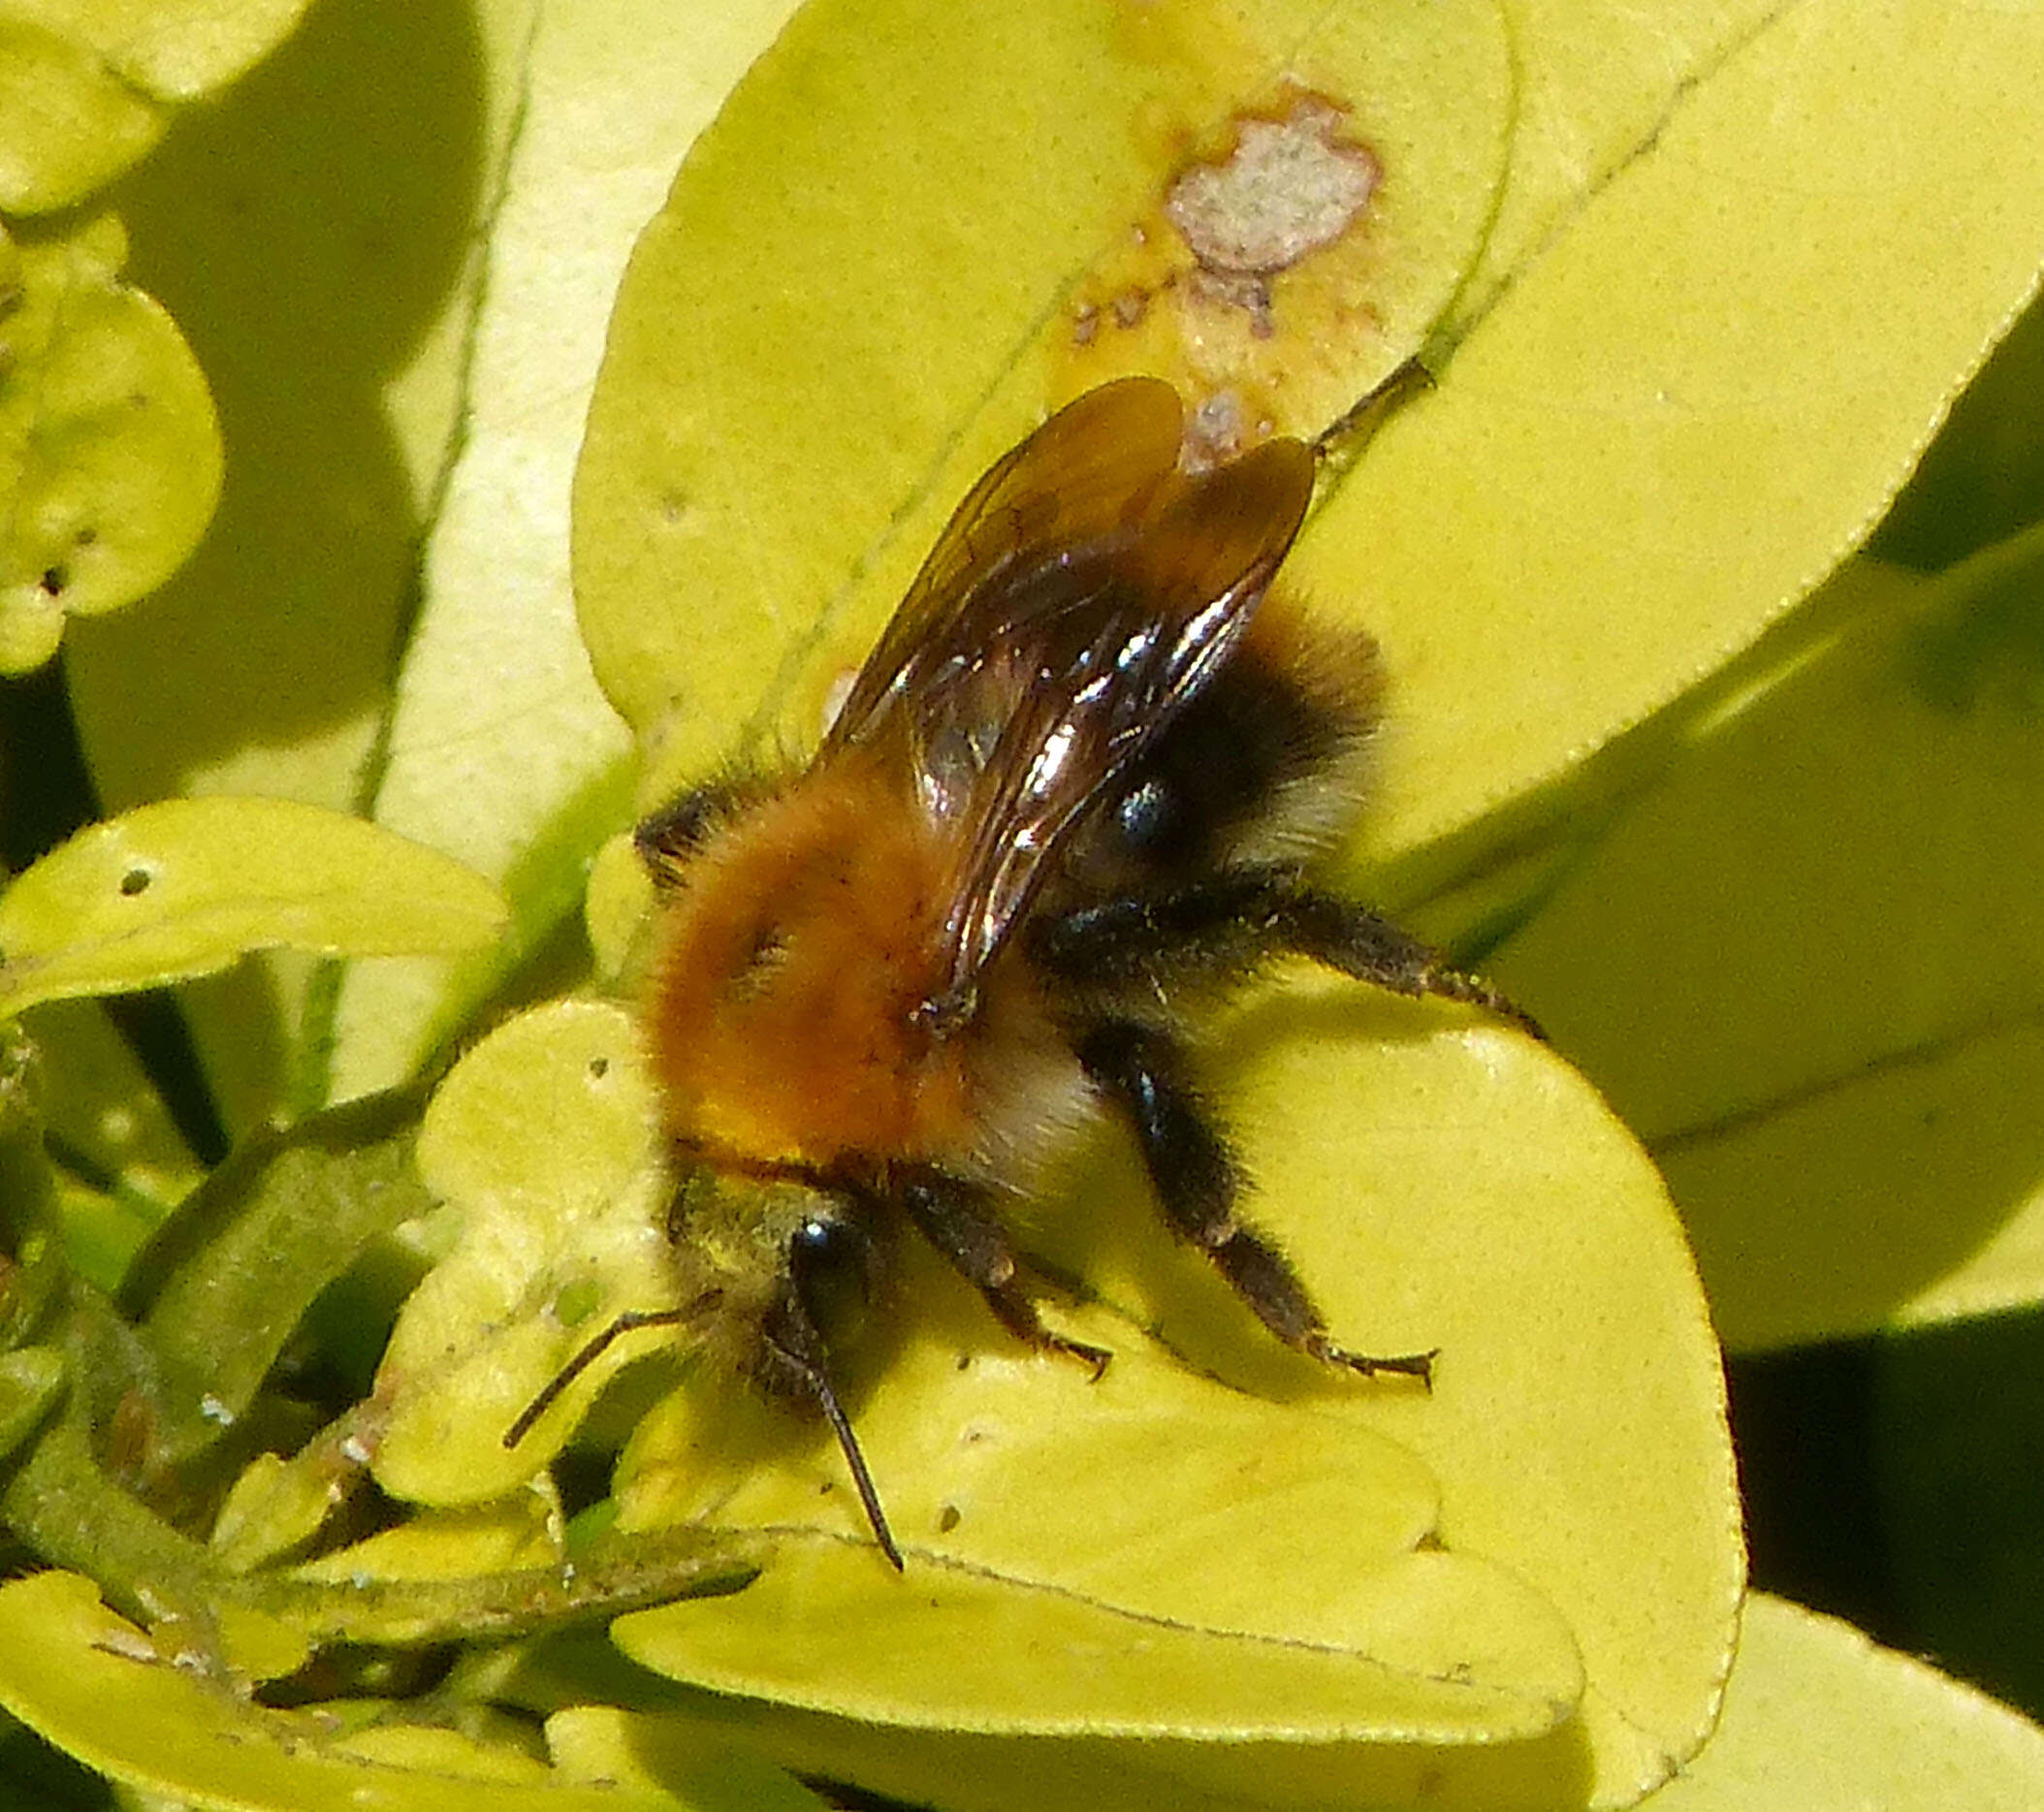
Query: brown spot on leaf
x=1287, y=188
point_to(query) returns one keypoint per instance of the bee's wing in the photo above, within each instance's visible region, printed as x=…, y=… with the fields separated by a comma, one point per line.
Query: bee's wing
x=1084, y=593
x=1092, y=468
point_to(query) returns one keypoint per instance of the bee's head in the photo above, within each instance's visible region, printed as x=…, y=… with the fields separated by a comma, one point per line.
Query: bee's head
x=773, y=1251
x=792, y=1268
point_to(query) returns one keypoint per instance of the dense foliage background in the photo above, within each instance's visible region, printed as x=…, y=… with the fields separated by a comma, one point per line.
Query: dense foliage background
x=1715, y=735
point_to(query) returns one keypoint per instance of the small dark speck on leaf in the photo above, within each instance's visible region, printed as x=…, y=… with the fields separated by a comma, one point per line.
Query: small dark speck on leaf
x=949, y=1518
x=54, y=580
x=134, y=881
x=599, y=1067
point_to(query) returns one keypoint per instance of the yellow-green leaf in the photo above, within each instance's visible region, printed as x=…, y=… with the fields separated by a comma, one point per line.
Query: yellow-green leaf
x=86, y=86
x=1431, y=1650
x=1456, y=1187
x=1806, y=968
x=463, y=1543
x=543, y=1136
x=1695, y=401
x=601, y=1744
x=106, y=1692
x=1701, y=382
x=179, y=888
x=1436, y=1182
x=903, y=212
x=122, y=1164
x=1180, y=1536
x=1596, y=79
x=1817, y=1719
x=109, y=453
x=502, y=751
x=314, y=230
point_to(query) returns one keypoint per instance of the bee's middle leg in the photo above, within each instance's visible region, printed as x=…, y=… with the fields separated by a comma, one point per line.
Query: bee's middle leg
x=1198, y=1182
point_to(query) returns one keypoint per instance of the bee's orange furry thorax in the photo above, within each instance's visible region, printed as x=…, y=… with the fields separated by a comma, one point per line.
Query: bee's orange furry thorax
x=784, y=1019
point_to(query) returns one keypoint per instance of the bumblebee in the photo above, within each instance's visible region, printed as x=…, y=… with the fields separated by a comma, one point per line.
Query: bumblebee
x=1075, y=789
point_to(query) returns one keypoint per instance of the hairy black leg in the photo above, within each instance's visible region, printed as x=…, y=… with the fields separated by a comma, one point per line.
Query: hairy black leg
x=955, y=1217
x=1357, y=942
x=1197, y=1182
x=1228, y=923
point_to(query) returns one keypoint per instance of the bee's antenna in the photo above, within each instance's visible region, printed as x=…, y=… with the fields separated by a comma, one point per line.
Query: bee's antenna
x=629, y=1322
x=841, y=1425
x=793, y=1342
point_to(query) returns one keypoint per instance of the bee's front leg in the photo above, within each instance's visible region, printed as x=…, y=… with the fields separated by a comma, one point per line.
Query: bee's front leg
x=957, y=1216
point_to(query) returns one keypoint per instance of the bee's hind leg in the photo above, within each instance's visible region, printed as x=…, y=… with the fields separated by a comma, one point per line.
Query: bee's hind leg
x=1198, y=1182
x=955, y=1216
x=1228, y=923
x=1359, y=943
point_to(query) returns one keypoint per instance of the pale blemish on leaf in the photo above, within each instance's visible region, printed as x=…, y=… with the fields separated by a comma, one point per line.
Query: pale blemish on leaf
x=1197, y=291
x=1287, y=188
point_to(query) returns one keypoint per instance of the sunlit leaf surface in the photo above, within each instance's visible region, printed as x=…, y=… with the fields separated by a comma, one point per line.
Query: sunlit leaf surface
x=86, y=86
x=901, y=214
x=543, y=1135
x=1818, y=1719
x=312, y=230
x=1435, y=1182
x=109, y=453
x=1808, y=966
x=1701, y=384
x=143, y=1711
x=186, y=886
x=502, y=749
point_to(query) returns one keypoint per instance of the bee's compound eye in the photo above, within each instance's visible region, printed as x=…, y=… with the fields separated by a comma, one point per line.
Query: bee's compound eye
x=830, y=1261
